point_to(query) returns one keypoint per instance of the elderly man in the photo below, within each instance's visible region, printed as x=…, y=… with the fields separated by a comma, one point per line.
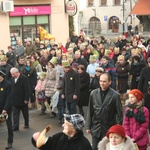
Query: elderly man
x=20, y=97
x=71, y=138
x=5, y=105
x=104, y=110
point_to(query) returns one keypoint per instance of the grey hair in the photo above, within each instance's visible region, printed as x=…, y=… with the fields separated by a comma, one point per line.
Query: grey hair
x=15, y=70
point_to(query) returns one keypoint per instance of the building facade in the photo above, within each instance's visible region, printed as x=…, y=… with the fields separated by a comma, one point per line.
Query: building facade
x=106, y=16
x=23, y=22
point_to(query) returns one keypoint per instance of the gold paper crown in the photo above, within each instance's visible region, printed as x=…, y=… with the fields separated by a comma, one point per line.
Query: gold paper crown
x=107, y=52
x=3, y=58
x=77, y=52
x=121, y=57
x=42, y=75
x=116, y=49
x=92, y=57
x=54, y=60
x=65, y=63
x=70, y=49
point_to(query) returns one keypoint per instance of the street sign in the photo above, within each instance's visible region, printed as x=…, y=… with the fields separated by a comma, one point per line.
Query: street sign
x=105, y=18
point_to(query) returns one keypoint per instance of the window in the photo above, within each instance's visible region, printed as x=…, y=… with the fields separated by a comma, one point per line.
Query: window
x=90, y=2
x=103, y=2
x=116, y=2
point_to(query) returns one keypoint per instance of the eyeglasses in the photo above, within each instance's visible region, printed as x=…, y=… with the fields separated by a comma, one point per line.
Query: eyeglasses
x=99, y=71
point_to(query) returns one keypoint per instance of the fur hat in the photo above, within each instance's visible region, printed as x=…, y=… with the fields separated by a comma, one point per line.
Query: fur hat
x=76, y=120
x=118, y=129
x=137, y=93
x=100, y=69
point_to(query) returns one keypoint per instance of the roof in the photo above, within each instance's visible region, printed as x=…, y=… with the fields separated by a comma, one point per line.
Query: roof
x=141, y=8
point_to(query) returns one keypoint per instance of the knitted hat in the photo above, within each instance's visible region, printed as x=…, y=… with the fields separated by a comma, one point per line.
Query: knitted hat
x=2, y=73
x=118, y=129
x=137, y=93
x=65, y=63
x=74, y=65
x=76, y=120
x=54, y=60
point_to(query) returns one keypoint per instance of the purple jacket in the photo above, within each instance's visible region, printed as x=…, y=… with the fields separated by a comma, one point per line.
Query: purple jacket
x=135, y=130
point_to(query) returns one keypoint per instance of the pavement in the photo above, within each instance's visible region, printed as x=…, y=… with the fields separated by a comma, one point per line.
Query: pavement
x=22, y=138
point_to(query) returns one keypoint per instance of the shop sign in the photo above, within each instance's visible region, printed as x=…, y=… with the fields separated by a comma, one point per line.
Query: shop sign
x=71, y=8
x=31, y=10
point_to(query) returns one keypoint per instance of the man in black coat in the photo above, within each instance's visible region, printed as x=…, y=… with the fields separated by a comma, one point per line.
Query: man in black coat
x=71, y=138
x=104, y=110
x=20, y=97
x=5, y=105
x=71, y=87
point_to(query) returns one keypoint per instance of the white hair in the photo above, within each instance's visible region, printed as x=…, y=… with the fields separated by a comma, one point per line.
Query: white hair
x=15, y=70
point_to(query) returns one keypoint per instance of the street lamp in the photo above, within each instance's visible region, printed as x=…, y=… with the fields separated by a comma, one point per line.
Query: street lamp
x=123, y=9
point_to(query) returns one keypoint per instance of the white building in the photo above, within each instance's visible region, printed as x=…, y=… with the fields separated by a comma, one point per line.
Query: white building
x=104, y=16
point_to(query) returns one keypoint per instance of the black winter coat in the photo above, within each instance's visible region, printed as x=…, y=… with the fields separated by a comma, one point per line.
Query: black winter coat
x=5, y=95
x=71, y=85
x=135, y=72
x=60, y=141
x=144, y=79
x=84, y=89
x=102, y=115
x=20, y=90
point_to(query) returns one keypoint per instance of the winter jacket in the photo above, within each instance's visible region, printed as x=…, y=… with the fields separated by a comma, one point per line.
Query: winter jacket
x=136, y=130
x=104, y=144
x=52, y=81
x=60, y=141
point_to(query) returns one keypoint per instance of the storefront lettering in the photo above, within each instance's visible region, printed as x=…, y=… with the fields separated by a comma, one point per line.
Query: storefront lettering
x=30, y=10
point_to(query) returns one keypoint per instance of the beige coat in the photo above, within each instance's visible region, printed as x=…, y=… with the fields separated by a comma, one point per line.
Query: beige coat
x=52, y=81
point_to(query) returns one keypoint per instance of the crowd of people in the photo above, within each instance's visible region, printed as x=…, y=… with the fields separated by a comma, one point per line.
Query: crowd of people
x=96, y=73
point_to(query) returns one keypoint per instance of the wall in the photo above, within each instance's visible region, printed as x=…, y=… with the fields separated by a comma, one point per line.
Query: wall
x=4, y=30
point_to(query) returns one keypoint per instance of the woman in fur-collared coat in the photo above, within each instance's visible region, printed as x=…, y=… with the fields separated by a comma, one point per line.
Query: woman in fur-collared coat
x=52, y=79
x=116, y=139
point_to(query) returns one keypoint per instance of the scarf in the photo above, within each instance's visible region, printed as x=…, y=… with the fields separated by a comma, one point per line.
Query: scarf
x=117, y=147
x=28, y=68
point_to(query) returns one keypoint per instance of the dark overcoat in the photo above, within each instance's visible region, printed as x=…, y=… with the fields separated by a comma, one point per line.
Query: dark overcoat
x=122, y=71
x=71, y=85
x=20, y=90
x=102, y=115
x=144, y=80
x=84, y=89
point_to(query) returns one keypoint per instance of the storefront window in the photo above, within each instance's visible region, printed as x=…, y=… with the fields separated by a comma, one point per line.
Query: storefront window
x=28, y=20
x=42, y=19
x=15, y=21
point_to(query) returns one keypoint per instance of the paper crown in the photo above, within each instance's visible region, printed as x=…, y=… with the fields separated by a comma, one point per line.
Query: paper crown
x=42, y=75
x=65, y=63
x=92, y=57
x=116, y=49
x=70, y=49
x=3, y=58
x=121, y=57
x=107, y=52
x=54, y=60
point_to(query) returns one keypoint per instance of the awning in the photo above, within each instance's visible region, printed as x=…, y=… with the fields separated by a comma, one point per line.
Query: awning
x=142, y=8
